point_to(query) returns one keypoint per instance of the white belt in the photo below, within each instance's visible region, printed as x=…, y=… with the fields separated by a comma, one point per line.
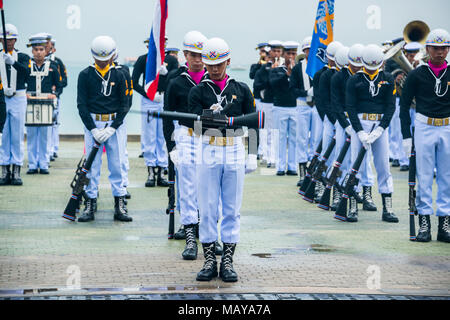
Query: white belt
x=19, y=93
x=437, y=122
x=302, y=103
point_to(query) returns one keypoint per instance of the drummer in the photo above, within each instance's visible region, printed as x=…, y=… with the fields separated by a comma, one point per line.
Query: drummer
x=43, y=82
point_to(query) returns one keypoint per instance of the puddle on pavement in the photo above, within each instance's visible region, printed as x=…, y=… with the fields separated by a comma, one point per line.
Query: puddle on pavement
x=263, y=255
x=322, y=248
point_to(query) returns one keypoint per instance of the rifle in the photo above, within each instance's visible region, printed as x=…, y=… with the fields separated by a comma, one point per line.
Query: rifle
x=171, y=195
x=215, y=120
x=78, y=183
x=336, y=172
x=317, y=175
x=412, y=193
x=350, y=182
x=310, y=170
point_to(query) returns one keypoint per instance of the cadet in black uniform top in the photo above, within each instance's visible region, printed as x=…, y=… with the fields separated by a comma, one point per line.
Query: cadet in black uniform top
x=370, y=100
x=103, y=103
x=2, y=111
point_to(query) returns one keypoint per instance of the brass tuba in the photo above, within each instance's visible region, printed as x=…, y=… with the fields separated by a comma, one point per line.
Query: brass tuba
x=415, y=31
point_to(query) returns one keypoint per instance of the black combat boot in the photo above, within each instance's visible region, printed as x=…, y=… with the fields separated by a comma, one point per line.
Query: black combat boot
x=444, y=229
x=218, y=249
x=395, y=163
x=337, y=195
x=227, y=272
x=120, y=209
x=209, y=270
x=301, y=173
x=16, y=180
x=89, y=210
x=151, y=177
x=352, y=215
x=424, y=234
x=161, y=181
x=180, y=234
x=368, y=204
x=388, y=214
x=5, y=177
x=190, y=251
x=128, y=195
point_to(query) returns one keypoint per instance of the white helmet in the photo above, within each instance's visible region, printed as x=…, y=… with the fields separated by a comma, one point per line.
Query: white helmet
x=103, y=48
x=373, y=57
x=306, y=44
x=355, y=55
x=215, y=51
x=193, y=41
x=332, y=49
x=11, y=32
x=341, y=58
x=438, y=38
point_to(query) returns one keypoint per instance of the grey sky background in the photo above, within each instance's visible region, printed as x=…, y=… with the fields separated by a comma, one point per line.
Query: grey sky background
x=242, y=23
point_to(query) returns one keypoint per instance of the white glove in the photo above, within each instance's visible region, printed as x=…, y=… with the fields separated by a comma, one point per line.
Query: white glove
x=311, y=92
x=1, y=136
x=8, y=58
x=106, y=133
x=216, y=108
x=349, y=130
x=262, y=93
x=174, y=156
x=407, y=145
x=8, y=91
x=163, y=70
x=375, y=134
x=251, y=163
x=96, y=133
x=158, y=97
x=364, y=137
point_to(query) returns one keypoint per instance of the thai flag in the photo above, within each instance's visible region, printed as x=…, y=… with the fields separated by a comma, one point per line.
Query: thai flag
x=322, y=36
x=155, y=57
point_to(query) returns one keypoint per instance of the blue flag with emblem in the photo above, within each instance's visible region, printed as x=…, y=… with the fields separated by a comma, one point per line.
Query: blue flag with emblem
x=322, y=36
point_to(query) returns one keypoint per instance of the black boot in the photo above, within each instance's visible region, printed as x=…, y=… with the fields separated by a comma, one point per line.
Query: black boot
x=388, y=214
x=151, y=177
x=180, y=234
x=128, y=195
x=337, y=195
x=395, y=163
x=209, y=270
x=301, y=173
x=358, y=197
x=444, y=229
x=120, y=209
x=89, y=210
x=161, y=181
x=368, y=204
x=352, y=215
x=424, y=234
x=227, y=272
x=190, y=251
x=16, y=180
x=218, y=248
x=5, y=178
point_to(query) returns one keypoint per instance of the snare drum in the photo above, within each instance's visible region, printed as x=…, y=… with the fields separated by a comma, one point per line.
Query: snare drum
x=39, y=112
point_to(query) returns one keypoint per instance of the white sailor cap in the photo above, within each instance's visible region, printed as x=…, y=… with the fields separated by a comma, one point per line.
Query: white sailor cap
x=290, y=45
x=171, y=49
x=275, y=44
x=412, y=47
x=261, y=45
x=38, y=39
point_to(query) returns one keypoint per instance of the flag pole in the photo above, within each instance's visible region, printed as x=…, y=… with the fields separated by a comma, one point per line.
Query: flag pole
x=5, y=48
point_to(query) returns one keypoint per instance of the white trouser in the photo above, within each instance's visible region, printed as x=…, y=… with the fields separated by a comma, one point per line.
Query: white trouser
x=340, y=141
x=329, y=132
x=266, y=141
x=114, y=152
x=220, y=174
x=309, y=131
x=54, y=143
x=286, y=123
x=380, y=152
x=154, y=145
x=11, y=150
x=38, y=141
x=432, y=151
x=259, y=108
x=188, y=148
x=396, y=139
x=125, y=163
